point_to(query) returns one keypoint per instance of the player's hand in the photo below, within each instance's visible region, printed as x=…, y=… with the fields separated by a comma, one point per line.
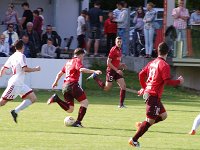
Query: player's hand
x=54, y=85
x=98, y=72
x=120, y=72
x=141, y=92
x=181, y=79
x=124, y=66
x=38, y=68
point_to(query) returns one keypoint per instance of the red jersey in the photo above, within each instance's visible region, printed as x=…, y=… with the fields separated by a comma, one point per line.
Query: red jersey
x=110, y=27
x=158, y=74
x=115, y=54
x=72, y=70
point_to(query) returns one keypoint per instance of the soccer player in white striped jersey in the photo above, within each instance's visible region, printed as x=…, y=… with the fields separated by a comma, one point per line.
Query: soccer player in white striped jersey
x=195, y=125
x=16, y=86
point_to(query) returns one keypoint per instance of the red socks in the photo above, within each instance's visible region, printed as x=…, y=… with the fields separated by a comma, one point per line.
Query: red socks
x=81, y=113
x=99, y=82
x=62, y=104
x=142, y=129
x=122, y=96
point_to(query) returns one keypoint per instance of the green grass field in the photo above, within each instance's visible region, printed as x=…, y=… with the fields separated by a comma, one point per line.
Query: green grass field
x=40, y=127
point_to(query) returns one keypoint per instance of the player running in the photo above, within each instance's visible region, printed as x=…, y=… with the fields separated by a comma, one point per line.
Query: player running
x=195, y=125
x=71, y=88
x=114, y=72
x=16, y=85
x=157, y=73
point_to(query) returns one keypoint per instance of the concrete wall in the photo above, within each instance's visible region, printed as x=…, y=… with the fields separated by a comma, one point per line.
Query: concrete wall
x=191, y=76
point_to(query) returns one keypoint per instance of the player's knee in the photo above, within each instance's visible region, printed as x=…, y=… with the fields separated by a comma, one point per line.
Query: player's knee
x=33, y=99
x=107, y=88
x=84, y=103
x=164, y=116
x=2, y=102
x=70, y=110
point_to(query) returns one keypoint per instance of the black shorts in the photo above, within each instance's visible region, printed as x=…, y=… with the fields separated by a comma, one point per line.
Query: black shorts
x=81, y=41
x=112, y=75
x=94, y=33
x=154, y=107
x=71, y=91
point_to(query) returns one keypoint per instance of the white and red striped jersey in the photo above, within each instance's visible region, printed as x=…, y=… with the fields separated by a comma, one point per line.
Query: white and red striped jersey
x=16, y=62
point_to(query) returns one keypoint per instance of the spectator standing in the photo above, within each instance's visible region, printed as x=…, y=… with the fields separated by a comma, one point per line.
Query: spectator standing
x=33, y=36
x=11, y=17
x=149, y=28
x=117, y=11
x=11, y=36
x=49, y=50
x=110, y=31
x=53, y=35
x=37, y=23
x=4, y=47
x=181, y=16
x=139, y=27
x=27, y=15
x=29, y=51
x=81, y=29
x=40, y=9
x=122, y=25
x=95, y=18
x=195, y=17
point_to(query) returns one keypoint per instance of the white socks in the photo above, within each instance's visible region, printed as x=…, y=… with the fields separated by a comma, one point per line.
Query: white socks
x=196, y=122
x=23, y=105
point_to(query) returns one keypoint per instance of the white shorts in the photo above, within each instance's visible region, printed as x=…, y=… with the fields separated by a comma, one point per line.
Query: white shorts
x=12, y=91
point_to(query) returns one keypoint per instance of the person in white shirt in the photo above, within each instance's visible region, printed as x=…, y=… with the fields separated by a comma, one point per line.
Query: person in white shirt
x=81, y=29
x=11, y=36
x=4, y=46
x=16, y=85
x=49, y=50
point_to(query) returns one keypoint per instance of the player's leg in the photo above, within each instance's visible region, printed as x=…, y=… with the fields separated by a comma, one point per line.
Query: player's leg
x=162, y=114
x=28, y=97
x=195, y=125
x=80, y=96
x=152, y=112
x=68, y=104
x=122, y=86
x=7, y=95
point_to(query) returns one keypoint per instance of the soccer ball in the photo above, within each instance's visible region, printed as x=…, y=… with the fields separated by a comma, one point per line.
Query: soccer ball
x=68, y=121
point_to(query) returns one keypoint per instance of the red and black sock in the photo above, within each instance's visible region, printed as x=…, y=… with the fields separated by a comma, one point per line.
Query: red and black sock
x=158, y=119
x=122, y=96
x=62, y=104
x=142, y=129
x=99, y=82
x=81, y=113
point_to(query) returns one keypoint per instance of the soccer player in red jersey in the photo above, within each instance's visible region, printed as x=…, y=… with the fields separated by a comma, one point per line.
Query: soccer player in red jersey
x=71, y=88
x=114, y=71
x=157, y=73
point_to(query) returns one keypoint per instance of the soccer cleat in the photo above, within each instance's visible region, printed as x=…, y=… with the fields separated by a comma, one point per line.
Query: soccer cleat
x=77, y=124
x=92, y=76
x=52, y=99
x=138, y=124
x=134, y=143
x=122, y=106
x=14, y=115
x=192, y=132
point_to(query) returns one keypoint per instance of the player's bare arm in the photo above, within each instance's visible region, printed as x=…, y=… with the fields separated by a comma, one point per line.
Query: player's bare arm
x=58, y=76
x=2, y=71
x=85, y=70
x=27, y=69
x=113, y=67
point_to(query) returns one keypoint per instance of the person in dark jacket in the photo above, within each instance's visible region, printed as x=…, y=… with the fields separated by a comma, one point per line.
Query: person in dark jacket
x=53, y=35
x=33, y=36
x=29, y=51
